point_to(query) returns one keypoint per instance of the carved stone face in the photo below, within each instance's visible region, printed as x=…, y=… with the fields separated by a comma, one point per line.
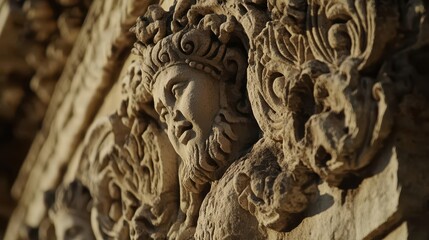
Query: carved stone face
x=69, y=226
x=188, y=101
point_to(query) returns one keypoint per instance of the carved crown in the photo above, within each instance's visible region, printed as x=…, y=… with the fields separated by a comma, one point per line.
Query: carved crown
x=204, y=43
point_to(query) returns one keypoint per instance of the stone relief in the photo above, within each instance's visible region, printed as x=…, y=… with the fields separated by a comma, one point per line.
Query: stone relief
x=54, y=28
x=235, y=112
x=132, y=198
x=197, y=85
x=314, y=98
x=69, y=211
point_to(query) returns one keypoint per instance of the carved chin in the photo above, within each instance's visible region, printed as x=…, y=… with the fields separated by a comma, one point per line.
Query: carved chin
x=206, y=162
x=202, y=167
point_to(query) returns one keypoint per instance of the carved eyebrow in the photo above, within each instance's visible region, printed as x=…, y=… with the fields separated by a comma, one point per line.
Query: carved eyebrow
x=176, y=85
x=180, y=78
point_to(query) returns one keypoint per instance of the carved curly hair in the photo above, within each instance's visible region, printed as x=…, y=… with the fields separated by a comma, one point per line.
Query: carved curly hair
x=206, y=42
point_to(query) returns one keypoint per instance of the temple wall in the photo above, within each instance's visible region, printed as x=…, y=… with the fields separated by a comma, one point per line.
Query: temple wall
x=227, y=119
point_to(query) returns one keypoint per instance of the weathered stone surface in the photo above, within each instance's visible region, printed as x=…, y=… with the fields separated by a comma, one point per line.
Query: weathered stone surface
x=236, y=119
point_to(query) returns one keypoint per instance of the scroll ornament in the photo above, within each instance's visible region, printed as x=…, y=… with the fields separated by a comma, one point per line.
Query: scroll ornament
x=311, y=91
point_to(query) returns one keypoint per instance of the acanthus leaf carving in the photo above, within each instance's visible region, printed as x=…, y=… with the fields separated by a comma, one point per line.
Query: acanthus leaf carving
x=356, y=117
x=276, y=197
x=135, y=191
x=308, y=92
x=130, y=168
x=315, y=88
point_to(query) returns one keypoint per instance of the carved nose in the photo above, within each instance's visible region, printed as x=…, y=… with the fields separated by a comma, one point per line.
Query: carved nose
x=178, y=116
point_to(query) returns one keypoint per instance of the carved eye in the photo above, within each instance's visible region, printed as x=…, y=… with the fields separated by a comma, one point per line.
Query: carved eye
x=177, y=89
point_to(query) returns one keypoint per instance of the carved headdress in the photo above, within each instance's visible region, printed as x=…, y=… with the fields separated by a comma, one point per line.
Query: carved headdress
x=204, y=42
x=212, y=44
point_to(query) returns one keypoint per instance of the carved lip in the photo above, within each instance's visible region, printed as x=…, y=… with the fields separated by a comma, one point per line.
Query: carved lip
x=183, y=131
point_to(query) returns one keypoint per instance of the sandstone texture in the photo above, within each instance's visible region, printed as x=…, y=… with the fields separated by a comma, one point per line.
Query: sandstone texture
x=215, y=119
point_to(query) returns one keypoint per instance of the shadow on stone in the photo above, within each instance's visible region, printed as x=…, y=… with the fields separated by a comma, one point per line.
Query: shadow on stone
x=323, y=203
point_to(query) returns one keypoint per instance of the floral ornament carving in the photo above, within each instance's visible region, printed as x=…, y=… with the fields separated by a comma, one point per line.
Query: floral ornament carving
x=355, y=108
x=133, y=174
x=134, y=188
x=311, y=94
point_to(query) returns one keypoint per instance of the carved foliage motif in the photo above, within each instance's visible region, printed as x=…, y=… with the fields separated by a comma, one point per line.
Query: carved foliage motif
x=134, y=191
x=310, y=92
